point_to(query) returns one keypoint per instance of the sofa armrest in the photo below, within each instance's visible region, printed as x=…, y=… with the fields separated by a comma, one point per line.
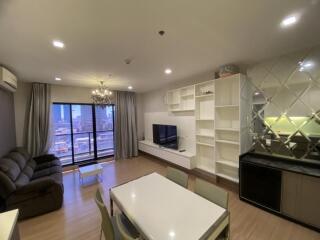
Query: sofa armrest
x=45, y=158
x=38, y=197
x=37, y=186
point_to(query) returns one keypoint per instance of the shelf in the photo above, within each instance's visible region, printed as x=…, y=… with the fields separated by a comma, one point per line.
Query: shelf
x=227, y=142
x=205, y=144
x=187, y=95
x=228, y=177
x=206, y=169
x=228, y=163
x=209, y=82
x=181, y=110
x=205, y=119
x=227, y=106
x=205, y=95
x=205, y=135
x=228, y=129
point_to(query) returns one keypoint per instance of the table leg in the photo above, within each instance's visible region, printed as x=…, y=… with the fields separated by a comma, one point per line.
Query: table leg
x=111, y=206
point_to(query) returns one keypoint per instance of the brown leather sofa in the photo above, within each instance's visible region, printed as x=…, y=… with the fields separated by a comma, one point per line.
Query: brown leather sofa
x=33, y=185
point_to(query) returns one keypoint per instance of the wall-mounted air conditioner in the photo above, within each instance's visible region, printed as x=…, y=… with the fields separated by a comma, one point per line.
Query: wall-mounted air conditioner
x=8, y=80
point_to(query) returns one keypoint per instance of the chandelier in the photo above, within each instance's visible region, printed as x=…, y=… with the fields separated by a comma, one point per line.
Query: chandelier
x=102, y=95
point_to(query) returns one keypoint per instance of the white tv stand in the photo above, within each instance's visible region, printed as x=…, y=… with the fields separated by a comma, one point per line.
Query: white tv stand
x=184, y=159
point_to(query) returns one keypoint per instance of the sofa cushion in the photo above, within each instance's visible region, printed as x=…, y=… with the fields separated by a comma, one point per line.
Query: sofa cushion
x=32, y=163
x=18, y=158
x=57, y=177
x=10, y=168
x=23, y=151
x=47, y=165
x=46, y=172
x=45, y=158
x=28, y=171
x=22, y=180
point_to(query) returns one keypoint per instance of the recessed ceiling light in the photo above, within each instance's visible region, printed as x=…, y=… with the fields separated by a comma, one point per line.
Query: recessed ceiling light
x=58, y=44
x=288, y=21
x=172, y=234
x=130, y=87
x=305, y=65
x=57, y=79
x=168, y=71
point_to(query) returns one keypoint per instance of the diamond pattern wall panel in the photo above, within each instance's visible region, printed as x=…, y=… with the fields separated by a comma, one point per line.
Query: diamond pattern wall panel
x=286, y=105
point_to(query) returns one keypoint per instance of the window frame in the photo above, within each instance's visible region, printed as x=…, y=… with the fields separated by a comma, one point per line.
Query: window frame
x=94, y=132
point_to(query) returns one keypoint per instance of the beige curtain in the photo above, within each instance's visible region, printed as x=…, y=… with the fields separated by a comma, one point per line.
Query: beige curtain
x=126, y=139
x=38, y=130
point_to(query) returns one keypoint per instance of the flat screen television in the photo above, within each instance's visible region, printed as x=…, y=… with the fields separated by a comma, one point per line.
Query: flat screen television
x=165, y=135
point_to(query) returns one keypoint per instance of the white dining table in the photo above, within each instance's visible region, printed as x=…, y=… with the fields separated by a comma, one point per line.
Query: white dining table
x=161, y=209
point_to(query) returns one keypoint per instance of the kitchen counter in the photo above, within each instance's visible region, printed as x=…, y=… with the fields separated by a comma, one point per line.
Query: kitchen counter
x=311, y=168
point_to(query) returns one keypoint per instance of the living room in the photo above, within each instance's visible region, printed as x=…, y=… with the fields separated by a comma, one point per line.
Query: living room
x=159, y=120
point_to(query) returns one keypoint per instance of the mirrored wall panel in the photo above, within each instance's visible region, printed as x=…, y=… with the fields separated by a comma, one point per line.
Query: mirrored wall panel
x=286, y=105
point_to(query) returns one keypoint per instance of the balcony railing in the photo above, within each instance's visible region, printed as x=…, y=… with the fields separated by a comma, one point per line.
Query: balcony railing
x=83, y=146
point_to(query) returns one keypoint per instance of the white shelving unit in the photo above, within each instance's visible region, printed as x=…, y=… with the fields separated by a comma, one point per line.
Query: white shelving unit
x=221, y=108
x=204, y=114
x=181, y=99
x=232, y=104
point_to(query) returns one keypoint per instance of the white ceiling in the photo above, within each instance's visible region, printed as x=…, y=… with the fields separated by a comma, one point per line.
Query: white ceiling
x=100, y=34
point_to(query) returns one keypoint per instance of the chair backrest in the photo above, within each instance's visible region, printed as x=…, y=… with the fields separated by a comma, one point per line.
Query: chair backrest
x=106, y=224
x=177, y=176
x=212, y=193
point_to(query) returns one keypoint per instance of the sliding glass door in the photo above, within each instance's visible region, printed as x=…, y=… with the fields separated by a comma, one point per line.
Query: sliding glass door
x=62, y=134
x=104, y=130
x=82, y=135
x=82, y=132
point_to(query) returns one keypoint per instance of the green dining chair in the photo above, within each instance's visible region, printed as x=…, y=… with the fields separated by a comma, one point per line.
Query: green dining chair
x=177, y=176
x=211, y=192
x=215, y=195
x=117, y=227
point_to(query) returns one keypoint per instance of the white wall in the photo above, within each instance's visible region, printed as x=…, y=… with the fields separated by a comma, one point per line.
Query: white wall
x=185, y=126
x=154, y=110
x=153, y=101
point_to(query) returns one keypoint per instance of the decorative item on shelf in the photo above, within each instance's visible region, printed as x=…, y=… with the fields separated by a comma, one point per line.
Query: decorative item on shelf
x=227, y=70
x=102, y=95
x=208, y=92
x=216, y=75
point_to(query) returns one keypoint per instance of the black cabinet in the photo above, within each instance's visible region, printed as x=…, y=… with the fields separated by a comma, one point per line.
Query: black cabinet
x=286, y=187
x=261, y=185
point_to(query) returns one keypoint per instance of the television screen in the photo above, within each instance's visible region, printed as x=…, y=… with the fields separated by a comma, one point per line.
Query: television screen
x=165, y=135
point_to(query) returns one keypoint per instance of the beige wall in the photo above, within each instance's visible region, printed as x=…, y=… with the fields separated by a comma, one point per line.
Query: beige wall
x=7, y=127
x=69, y=94
x=21, y=101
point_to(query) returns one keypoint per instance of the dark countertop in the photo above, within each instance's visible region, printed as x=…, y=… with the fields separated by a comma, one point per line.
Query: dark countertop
x=281, y=163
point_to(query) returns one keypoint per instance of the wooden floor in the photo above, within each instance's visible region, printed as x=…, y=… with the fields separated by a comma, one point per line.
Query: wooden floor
x=79, y=218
